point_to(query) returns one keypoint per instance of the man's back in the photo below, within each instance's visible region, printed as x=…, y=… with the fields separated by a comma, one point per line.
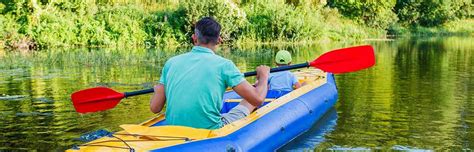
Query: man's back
x=194, y=85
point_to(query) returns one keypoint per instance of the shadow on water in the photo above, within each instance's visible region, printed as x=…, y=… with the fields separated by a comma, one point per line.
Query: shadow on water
x=313, y=137
x=420, y=94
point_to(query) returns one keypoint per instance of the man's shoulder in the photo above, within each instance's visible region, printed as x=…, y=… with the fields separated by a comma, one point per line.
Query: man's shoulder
x=218, y=58
x=224, y=59
x=186, y=55
x=221, y=60
x=177, y=58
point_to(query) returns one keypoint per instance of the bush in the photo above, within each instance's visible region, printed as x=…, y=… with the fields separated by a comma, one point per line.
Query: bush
x=227, y=13
x=105, y=24
x=432, y=13
x=376, y=14
x=278, y=21
x=124, y=24
x=464, y=26
x=397, y=29
x=9, y=36
x=174, y=26
x=79, y=23
x=165, y=28
x=275, y=21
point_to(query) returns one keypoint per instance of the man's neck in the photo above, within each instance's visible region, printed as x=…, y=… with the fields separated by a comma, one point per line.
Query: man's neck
x=209, y=46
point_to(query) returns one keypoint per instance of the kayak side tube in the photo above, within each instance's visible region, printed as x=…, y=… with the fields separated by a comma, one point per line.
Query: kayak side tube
x=273, y=129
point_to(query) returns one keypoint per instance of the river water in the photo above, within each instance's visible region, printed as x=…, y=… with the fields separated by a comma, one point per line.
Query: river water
x=419, y=96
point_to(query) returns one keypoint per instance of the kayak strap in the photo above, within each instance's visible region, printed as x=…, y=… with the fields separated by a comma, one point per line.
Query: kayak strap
x=111, y=135
x=152, y=135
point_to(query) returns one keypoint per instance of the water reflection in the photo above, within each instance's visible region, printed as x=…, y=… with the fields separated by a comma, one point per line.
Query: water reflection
x=315, y=135
x=418, y=96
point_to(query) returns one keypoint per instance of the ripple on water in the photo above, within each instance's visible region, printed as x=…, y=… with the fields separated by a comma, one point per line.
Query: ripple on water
x=44, y=99
x=415, y=98
x=12, y=97
x=34, y=114
x=115, y=84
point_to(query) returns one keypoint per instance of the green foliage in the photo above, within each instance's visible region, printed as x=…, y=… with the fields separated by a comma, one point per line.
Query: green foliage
x=376, y=14
x=465, y=9
x=397, y=29
x=174, y=26
x=463, y=26
x=227, y=13
x=104, y=23
x=278, y=21
x=163, y=32
x=272, y=21
x=457, y=27
x=432, y=13
x=65, y=23
x=2, y=7
x=168, y=23
x=9, y=31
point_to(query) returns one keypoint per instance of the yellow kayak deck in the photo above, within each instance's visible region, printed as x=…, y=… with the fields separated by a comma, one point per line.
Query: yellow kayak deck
x=145, y=137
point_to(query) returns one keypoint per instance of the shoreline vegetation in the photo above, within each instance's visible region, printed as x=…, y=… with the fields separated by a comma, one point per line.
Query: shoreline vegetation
x=39, y=24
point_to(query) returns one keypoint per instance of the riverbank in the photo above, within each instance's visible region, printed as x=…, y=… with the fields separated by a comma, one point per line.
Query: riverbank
x=457, y=27
x=70, y=24
x=35, y=25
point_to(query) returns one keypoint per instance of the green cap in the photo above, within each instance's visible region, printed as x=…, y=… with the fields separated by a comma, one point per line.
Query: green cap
x=283, y=57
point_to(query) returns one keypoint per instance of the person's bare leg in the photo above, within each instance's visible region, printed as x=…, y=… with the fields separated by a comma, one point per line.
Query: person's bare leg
x=238, y=112
x=246, y=104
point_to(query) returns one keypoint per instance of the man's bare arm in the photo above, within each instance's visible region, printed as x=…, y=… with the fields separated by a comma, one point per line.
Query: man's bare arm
x=254, y=95
x=158, y=99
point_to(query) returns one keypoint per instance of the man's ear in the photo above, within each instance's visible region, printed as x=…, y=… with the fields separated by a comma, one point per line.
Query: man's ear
x=219, y=41
x=194, y=39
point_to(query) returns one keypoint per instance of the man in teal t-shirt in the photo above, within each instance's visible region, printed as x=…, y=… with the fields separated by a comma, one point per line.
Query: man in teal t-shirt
x=192, y=84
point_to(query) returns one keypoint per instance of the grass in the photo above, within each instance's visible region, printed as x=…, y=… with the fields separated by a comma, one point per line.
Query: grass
x=168, y=23
x=457, y=27
x=165, y=23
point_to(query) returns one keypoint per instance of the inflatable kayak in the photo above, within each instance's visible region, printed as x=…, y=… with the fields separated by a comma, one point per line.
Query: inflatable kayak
x=283, y=117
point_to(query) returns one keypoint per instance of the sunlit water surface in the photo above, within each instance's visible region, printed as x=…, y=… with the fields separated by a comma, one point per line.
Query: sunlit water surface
x=419, y=96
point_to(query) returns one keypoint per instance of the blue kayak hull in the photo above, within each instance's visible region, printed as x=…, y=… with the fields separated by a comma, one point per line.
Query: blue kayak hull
x=274, y=129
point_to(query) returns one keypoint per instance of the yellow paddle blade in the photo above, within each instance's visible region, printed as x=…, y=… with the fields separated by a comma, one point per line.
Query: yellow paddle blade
x=171, y=131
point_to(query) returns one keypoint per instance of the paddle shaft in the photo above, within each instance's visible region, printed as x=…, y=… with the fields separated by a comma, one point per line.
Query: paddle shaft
x=139, y=92
x=247, y=74
x=282, y=68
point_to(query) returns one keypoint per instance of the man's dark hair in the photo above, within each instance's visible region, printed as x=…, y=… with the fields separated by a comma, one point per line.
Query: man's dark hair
x=207, y=30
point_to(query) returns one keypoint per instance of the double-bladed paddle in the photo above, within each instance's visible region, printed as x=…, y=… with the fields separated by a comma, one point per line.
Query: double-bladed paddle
x=337, y=61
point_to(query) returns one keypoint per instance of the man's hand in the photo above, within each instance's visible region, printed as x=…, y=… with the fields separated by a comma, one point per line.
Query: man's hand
x=262, y=72
x=254, y=96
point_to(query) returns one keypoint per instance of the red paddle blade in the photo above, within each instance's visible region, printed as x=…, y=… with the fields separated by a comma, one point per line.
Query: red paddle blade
x=95, y=99
x=346, y=59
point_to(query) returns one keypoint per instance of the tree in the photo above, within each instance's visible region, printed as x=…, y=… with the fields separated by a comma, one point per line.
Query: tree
x=376, y=14
x=432, y=13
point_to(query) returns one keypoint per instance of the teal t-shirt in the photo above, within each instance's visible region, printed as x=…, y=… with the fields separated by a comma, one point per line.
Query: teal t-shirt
x=195, y=83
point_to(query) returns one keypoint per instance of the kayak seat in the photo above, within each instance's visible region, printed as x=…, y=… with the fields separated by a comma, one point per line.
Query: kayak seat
x=166, y=131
